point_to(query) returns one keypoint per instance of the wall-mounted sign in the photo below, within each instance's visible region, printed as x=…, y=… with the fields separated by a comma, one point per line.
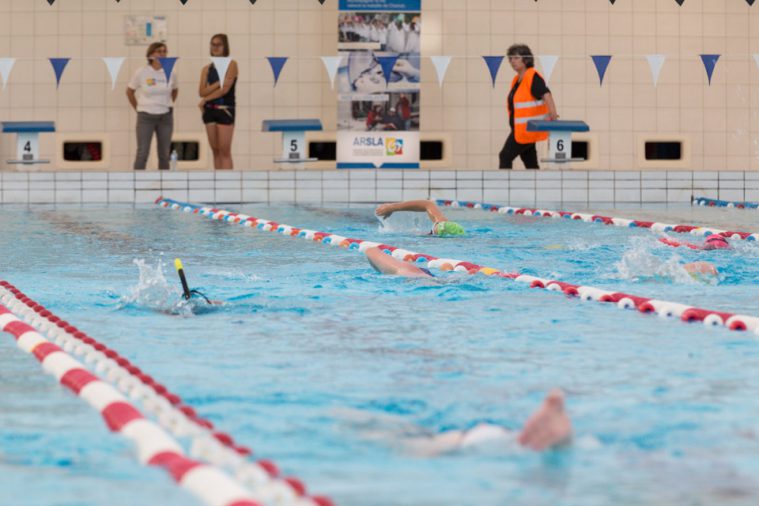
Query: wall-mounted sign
x=144, y=30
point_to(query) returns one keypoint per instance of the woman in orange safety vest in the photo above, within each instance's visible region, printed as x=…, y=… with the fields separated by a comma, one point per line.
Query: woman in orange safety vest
x=529, y=99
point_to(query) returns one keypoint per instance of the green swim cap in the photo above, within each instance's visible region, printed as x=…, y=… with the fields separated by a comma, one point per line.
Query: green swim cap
x=447, y=229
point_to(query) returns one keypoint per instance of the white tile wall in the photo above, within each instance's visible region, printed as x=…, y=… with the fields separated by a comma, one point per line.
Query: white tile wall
x=505, y=187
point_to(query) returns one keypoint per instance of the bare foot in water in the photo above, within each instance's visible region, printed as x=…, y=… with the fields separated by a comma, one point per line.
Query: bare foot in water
x=548, y=426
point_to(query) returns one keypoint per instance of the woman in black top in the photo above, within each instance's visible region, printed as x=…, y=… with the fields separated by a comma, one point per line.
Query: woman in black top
x=525, y=104
x=218, y=104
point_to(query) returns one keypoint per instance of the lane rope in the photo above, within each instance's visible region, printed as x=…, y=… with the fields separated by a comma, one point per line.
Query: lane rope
x=707, y=202
x=662, y=308
x=606, y=220
x=218, y=448
x=155, y=447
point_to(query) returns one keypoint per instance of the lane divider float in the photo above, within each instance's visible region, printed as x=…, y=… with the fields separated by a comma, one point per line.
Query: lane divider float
x=155, y=447
x=706, y=202
x=606, y=220
x=179, y=419
x=662, y=308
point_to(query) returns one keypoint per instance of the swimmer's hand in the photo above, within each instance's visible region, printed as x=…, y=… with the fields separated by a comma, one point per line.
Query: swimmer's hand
x=384, y=211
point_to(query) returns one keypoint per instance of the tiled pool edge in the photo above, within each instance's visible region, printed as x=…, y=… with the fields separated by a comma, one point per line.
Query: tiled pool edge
x=369, y=186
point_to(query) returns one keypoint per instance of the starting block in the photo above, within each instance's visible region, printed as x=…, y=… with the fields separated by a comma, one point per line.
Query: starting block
x=293, y=137
x=27, y=142
x=559, y=138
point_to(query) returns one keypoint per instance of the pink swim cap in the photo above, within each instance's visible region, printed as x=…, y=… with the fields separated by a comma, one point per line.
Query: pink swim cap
x=716, y=241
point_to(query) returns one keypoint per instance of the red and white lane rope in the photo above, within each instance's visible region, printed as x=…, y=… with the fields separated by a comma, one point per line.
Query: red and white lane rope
x=625, y=301
x=155, y=447
x=217, y=448
x=606, y=220
x=707, y=202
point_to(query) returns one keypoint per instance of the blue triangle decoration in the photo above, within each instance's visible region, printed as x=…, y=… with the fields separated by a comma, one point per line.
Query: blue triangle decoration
x=276, y=62
x=168, y=66
x=493, y=63
x=59, y=64
x=601, y=62
x=710, y=61
x=387, y=63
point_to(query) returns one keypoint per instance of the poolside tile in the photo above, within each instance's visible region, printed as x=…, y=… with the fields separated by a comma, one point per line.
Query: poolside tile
x=308, y=194
x=574, y=195
x=442, y=174
x=333, y=195
x=752, y=195
x=68, y=196
x=574, y=184
x=600, y=195
x=68, y=185
x=679, y=175
x=173, y=175
x=39, y=196
x=389, y=174
x=200, y=195
x=415, y=174
x=15, y=176
x=281, y=175
x=390, y=194
x=145, y=185
x=68, y=176
x=679, y=195
x=657, y=195
x=627, y=195
x=574, y=175
x=140, y=196
x=732, y=194
x=443, y=184
x=548, y=195
x=227, y=175
x=522, y=175
x=415, y=194
x=522, y=196
x=173, y=185
x=99, y=196
x=308, y=184
x=362, y=195
x=120, y=176
x=228, y=195
x=315, y=175
x=251, y=195
x=600, y=175
x=201, y=174
x=41, y=176
x=439, y=193
x=281, y=195
x=495, y=195
x=729, y=174
x=15, y=196
x=120, y=196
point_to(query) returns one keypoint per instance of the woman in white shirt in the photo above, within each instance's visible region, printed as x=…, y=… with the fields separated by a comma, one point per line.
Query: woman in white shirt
x=152, y=96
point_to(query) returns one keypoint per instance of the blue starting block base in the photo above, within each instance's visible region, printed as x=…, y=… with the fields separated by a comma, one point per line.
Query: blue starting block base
x=293, y=137
x=27, y=140
x=559, y=138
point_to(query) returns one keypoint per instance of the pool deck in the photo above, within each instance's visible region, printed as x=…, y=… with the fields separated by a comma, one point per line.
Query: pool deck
x=521, y=187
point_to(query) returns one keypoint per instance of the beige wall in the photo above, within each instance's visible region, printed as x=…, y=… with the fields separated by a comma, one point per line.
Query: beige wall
x=721, y=121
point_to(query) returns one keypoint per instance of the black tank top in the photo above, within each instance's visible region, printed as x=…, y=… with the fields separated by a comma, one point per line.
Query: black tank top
x=228, y=99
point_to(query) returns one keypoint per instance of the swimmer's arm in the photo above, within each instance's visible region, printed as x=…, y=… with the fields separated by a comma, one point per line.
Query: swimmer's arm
x=382, y=263
x=438, y=444
x=419, y=206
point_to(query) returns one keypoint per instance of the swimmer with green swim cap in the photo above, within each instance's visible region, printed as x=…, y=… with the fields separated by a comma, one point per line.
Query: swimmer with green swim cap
x=441, y=226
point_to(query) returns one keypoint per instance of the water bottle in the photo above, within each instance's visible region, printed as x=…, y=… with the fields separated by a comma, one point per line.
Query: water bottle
x=173, y=160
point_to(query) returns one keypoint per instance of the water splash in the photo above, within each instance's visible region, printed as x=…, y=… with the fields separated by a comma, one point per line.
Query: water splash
x=405, y=223
x=154, y=292
x=639, y=264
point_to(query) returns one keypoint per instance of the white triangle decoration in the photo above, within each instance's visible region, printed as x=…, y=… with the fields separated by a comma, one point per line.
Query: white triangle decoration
x=114, y=66
x=332, y=63
x=756, y=59
x=656, y=62
x=6, y=65
x=441, y=66
x=222, y=64
x=548, y=62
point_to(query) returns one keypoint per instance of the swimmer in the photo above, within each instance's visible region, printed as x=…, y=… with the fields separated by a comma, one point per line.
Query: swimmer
x=386, y=264
x=441, y=227
x=701, y=270
x=186, y=292
x=712, y=242
x=548, y=427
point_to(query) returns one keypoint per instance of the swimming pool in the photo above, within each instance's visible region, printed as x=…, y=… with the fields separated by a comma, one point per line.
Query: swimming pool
x=312, y=340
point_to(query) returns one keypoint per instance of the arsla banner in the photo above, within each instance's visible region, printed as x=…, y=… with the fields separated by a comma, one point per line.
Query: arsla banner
x=378, y=84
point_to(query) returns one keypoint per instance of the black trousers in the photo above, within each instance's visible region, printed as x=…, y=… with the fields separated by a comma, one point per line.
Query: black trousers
x=512, y=149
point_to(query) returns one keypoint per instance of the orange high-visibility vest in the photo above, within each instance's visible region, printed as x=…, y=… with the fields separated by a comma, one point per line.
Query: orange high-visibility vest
x=527, y=108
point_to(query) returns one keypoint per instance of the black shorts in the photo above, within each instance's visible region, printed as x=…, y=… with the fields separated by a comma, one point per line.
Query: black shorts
x=220, y=116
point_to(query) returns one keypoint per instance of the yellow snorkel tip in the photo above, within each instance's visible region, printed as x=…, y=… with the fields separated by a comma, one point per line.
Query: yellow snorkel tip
x=178, y=264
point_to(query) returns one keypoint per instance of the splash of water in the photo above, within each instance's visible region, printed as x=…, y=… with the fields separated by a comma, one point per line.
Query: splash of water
x=640, y=264
x=405, y=223
x=154, y=292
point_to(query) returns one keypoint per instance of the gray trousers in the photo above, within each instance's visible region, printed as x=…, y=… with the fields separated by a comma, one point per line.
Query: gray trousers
x=163, y=126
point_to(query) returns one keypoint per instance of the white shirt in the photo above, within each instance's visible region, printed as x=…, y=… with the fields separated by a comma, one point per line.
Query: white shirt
x=153, y=94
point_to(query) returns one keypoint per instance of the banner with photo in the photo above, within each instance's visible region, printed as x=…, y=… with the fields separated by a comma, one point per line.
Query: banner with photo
x=378, y=84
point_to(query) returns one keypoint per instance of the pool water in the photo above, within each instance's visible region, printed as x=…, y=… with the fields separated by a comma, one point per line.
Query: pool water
x=313, y=347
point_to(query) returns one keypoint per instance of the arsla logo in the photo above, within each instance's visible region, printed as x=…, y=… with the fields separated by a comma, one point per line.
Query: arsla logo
x=393, y=146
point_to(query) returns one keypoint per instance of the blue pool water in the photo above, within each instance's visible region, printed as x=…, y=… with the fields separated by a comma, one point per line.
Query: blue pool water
x=314, y=348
